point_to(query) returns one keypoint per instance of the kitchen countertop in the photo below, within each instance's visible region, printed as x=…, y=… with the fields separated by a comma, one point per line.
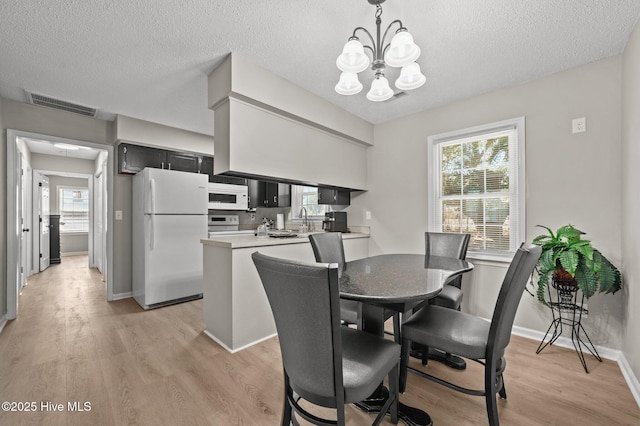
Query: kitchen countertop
x=245, y=241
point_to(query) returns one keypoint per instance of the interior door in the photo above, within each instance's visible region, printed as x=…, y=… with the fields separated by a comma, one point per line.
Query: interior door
x=44, y=223
x=23, y=225
x=98, y=222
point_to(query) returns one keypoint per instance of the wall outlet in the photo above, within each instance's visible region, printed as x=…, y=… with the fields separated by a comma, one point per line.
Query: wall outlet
x=252, y=216
x=579, y=125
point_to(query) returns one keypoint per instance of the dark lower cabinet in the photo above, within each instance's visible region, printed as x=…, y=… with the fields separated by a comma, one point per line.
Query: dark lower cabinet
x=54, y=238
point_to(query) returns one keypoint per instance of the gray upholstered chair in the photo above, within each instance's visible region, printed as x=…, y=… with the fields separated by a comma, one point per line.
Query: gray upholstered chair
x=473, y=337
x=323, y=363
x=328, y=248
x=449, y=245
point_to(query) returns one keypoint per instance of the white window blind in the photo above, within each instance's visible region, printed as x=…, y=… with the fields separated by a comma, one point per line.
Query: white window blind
x=73, y=204
x=477, y=187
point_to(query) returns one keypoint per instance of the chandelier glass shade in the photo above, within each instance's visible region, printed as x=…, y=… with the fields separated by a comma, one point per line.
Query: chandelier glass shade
x=401, y=52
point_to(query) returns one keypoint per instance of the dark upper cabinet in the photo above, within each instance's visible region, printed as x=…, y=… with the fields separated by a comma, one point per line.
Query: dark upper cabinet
x=133, y=158
x=334, y=197
x=206, y=167
x=268, y=194
x=232, y=180
x=182, y=161
x=278, y=194
x=256, y=199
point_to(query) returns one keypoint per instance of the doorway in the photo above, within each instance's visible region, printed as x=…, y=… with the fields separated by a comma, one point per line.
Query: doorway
x=25, y=149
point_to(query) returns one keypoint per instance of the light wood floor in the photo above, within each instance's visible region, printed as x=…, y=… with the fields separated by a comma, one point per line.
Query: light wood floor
x=159, y=368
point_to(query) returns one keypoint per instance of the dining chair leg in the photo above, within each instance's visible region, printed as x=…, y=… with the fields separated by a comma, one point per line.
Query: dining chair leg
x=425, y=355
x=404, y=363
x=394, y=385
x=503, y=392
x=286, y=408
x=490, y=383
x=341, y=418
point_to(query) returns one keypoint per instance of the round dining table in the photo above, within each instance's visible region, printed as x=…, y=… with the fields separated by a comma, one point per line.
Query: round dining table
x=396, y=283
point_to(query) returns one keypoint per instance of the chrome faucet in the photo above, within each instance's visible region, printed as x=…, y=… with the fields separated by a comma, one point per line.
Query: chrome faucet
x=305, y=220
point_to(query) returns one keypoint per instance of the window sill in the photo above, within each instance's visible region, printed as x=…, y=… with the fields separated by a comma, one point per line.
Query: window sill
x=489, y=259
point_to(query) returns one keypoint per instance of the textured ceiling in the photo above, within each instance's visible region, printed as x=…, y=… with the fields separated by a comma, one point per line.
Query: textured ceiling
x=149, y=59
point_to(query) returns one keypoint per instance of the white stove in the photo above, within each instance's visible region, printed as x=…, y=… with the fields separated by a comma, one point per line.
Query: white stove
x=225, y=224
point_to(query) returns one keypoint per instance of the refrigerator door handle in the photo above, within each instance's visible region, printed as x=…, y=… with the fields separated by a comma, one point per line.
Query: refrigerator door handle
x=152, y=233
x=152, y=187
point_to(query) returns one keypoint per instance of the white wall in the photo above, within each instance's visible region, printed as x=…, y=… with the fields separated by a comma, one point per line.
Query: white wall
x=161, y=136
x=571, y=178
x=630, y=199
x=3, y=217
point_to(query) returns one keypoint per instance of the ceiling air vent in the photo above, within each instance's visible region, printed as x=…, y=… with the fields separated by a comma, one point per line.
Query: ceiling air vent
x=37, y=99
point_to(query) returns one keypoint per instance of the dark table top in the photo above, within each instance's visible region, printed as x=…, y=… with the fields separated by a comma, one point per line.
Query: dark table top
x=398, y=278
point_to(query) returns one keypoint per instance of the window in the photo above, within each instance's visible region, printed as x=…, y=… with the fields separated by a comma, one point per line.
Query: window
x=477, y=187
x=73, y=204
x=306, y=196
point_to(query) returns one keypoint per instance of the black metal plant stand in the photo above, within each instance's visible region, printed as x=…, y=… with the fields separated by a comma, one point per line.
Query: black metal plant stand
x=567, y=311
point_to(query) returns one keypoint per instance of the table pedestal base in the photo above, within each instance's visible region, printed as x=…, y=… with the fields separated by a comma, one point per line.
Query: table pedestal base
x=409, y=415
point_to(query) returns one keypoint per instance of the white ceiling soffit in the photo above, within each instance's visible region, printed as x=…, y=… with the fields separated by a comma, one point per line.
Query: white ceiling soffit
x=149, y=59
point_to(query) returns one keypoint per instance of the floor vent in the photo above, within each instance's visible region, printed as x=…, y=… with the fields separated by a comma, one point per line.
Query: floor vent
x=37, y=99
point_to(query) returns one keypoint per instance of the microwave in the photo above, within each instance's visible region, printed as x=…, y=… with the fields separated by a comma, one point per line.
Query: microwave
x=224, y=196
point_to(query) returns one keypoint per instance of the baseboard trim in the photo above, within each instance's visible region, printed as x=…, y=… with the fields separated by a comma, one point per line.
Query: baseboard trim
x=121, y=296
x=604, y=352
x=632, y=380
x=74, y=253
x=233, y=351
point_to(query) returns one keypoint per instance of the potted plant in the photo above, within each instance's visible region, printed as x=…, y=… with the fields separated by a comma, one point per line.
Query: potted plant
x=571, y=261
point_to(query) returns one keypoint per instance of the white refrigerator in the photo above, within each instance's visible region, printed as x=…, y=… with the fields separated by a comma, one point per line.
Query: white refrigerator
x=169, y=220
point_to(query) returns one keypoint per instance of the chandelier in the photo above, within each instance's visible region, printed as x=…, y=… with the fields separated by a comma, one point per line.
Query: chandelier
x=400, y=52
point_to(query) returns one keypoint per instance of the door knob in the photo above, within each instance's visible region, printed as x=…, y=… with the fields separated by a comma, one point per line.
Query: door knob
x=25, y=230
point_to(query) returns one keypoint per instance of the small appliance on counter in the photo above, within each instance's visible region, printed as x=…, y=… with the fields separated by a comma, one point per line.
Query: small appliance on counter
x=335, y=222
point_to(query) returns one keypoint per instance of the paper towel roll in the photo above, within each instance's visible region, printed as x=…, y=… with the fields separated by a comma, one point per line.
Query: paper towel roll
x=280, y=221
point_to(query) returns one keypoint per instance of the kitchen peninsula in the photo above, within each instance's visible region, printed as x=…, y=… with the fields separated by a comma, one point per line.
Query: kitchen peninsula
x=236, y=309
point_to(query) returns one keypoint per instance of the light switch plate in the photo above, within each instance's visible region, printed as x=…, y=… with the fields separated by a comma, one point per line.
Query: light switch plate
x=118, y=214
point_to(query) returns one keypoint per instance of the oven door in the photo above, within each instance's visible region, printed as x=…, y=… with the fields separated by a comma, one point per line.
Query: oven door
x=227, y=197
